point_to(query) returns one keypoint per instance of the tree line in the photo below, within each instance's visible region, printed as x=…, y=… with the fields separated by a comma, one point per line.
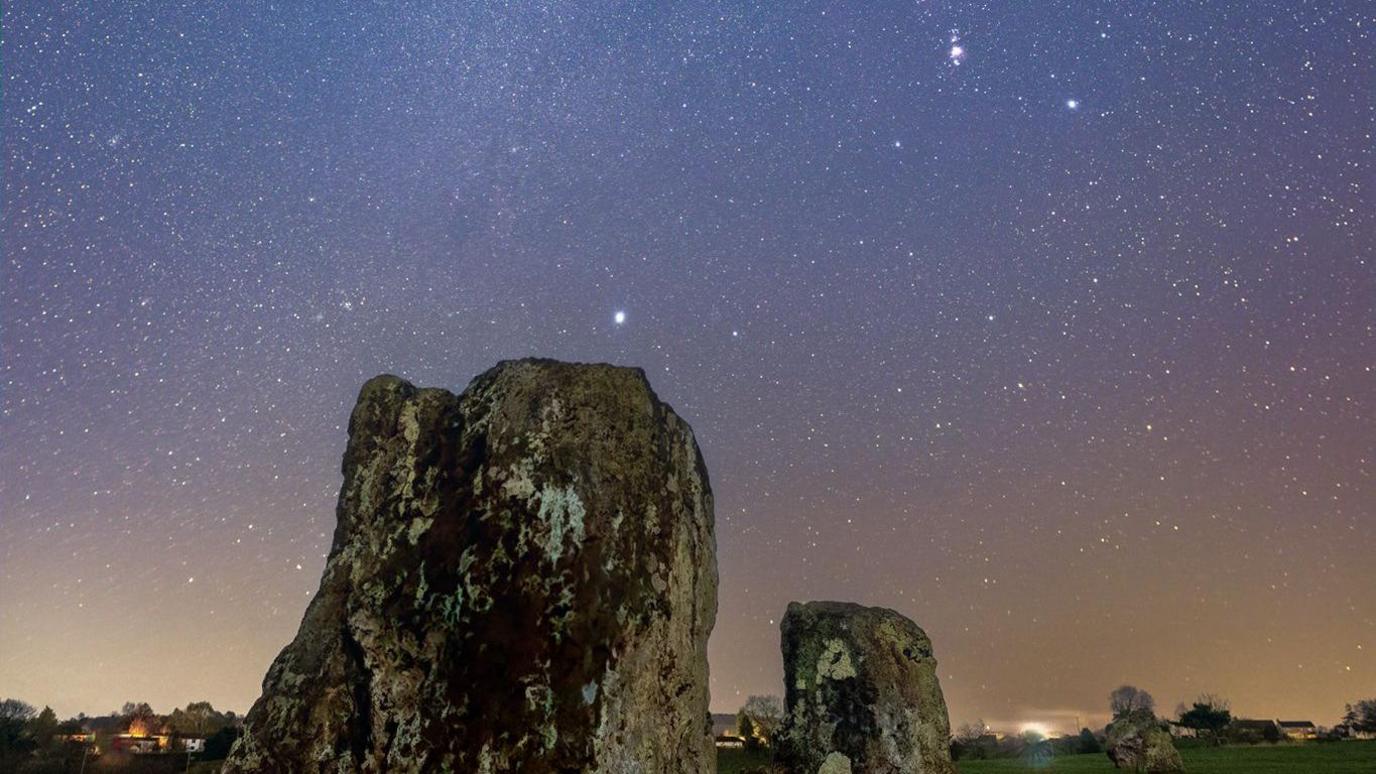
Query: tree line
x=36, y=740
x=1209, y=717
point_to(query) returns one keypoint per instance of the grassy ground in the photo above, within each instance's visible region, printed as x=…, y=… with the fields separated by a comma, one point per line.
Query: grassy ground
x=739, y=761
x=1335, y=758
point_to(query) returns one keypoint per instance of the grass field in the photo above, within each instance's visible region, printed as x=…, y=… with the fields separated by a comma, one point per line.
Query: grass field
x=1337, y=758
x=740, y=761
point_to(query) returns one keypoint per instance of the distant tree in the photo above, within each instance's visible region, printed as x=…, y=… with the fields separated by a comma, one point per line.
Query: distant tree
x=14, y=719
x=1037, y=751
x=14, y=709
x=968, y=742
x=1034, y=749
x=1129, y=698
x=198, y=719
x=767, y=713
x=1361, y=717
x=140, y=715
x=959, y=752
x=972, y=732
x=746, y=728
x=201, y=716
x=1213, y=700
x=1208, y=717
x=42, y=727
x=1088, y=742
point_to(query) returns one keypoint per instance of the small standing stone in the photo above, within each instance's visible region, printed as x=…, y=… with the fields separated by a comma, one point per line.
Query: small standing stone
x=861, y=693
x=1137, y=742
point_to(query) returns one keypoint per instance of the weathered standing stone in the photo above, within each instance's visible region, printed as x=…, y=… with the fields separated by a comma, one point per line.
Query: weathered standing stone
x=1137, y=742
x=523, y=577
x=861, y=693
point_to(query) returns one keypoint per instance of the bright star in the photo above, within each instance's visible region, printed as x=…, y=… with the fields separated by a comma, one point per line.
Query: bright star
x=619, y=318
x=1072, y=103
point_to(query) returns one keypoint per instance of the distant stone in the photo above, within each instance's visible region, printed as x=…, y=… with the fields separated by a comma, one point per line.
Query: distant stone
x=523, y=578
x=861, y=692
x=1138, y=742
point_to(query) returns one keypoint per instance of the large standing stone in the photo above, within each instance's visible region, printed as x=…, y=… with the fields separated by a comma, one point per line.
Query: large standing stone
x=861, y=693
x=523, y=578
x=1136, y=741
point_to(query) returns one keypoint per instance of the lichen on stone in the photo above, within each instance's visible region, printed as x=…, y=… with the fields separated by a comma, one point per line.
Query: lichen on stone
x=563, y=513
x=835, y=763
x=418, y=527
x=834, y=663
x=520, y=480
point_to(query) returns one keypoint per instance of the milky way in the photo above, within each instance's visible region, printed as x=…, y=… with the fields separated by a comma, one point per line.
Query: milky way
x=1050, y=325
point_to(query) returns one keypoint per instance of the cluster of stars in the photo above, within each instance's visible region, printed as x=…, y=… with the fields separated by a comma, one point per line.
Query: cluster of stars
x=956, y=54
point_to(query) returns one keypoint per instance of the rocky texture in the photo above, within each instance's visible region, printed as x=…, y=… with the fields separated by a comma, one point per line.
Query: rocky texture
x=861, y=693
x=523, y=578
x=1138, y=742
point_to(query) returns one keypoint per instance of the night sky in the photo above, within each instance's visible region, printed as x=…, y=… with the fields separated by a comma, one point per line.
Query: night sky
x=1051, y=325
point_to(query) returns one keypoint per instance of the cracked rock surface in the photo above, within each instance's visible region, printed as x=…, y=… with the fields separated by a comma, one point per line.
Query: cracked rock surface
x=861, y=693
x=523, y=578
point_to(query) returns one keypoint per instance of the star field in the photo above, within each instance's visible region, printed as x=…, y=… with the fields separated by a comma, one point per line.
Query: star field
x=1050, y=325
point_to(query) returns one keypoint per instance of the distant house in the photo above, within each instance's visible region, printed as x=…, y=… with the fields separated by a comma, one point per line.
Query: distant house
x=1260, y=727
x=1298, y=729
x=192, y=744
x=76, y=737
x=139, y=744
x=726, y=730
x=728, y=742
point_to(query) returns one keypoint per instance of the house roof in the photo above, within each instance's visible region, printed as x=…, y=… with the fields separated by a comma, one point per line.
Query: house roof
x=723, y=723
x=1296, y=723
